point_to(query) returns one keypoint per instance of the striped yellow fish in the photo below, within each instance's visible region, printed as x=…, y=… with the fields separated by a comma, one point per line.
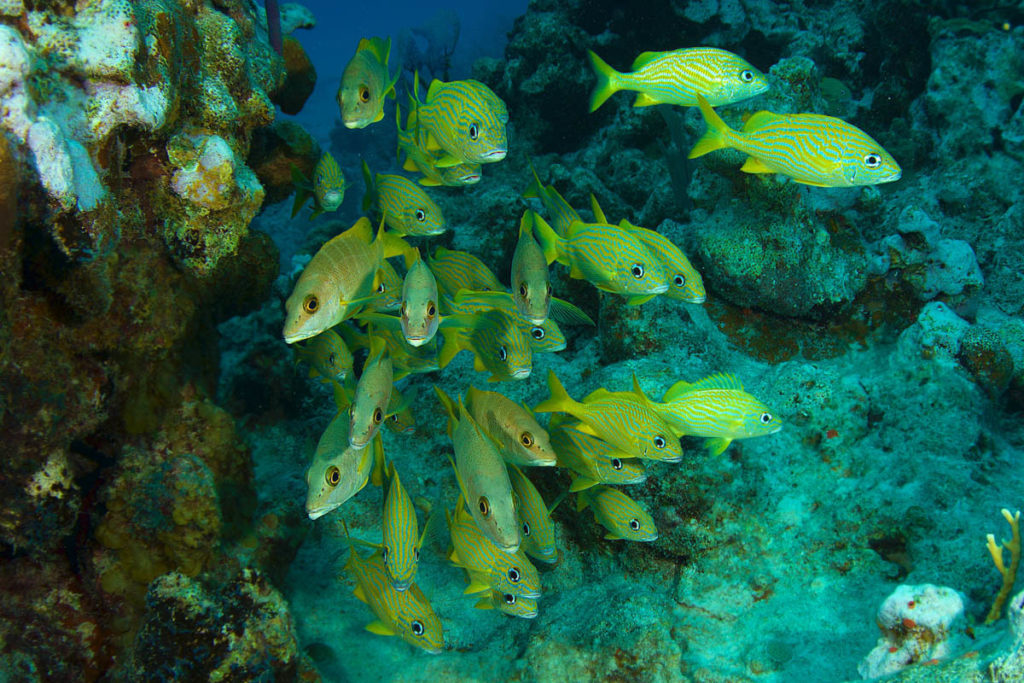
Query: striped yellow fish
x=680, y=77
x=489, y=567
x=716, y=408
x=497, y=343
x=509, y=603
x=406, y=208
x=618, y=513
x=535, y=520
x=812, y=149
x=622, y=419
x=531, y=287
x=335, y=283
x=457, y=270
x=685, y=283
x=401, y=551
x=407, y=613
x=327, y=187
x=418, y=312
x=520, y=438
x=373, y=393
x=400, y=418
x=593, y=460
x=544, y=338
x=562, y=215
x=365, y=83
x=464, y=120
x=418, y=159
x=338, y=471
x=610, y=258
x=327, y=355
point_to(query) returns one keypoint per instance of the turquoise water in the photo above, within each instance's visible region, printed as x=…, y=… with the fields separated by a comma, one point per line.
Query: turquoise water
x=856, y=343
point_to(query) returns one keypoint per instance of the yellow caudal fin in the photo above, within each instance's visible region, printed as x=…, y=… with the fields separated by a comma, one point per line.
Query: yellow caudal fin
x=717, y=135
x=607, y=81
x=548, y=239
x=559, y=400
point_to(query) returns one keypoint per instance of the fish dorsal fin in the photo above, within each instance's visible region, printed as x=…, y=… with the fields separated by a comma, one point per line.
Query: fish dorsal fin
x=760, y=120
x=638, y=390
x=645, y=58
x=596, y=208
x=362, y=229
x=716, y=381
x=378, y=47
x=435, y=85
x=566, y=312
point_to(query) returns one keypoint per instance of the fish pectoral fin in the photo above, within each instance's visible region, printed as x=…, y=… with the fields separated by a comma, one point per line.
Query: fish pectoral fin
x=717, y=445
x=612, y=536
x=755, y=165
x=429, y=182
x=584, y=428
x=447, y=161
x=380, y=628
x=644, y=100
x=639, y=299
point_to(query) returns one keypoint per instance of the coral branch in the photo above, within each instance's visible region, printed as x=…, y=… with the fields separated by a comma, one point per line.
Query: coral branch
x=1009, y=574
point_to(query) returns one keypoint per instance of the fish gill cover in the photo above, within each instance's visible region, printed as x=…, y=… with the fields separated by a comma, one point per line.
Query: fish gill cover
x=787, y=473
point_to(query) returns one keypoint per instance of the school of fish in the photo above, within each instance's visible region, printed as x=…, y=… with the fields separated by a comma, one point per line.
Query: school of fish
x=351, y=301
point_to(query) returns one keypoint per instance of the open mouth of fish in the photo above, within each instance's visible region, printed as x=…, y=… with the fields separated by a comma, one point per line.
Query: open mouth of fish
x=318, y=512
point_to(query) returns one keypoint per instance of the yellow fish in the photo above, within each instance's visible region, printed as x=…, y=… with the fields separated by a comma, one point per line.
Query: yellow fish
x=546, y=337
x=812, y=149
x=457, y=270
x=680, y=77
x=489, y=567
x=498, y=344
x=593, y=460
x=401, y=551
x=335, y=283
x=400, y=418
x=365, y=83
x=483, y=479
x=406, y=208
x=327, y=355
x=685, y=283
x=373, y=392
x=419, y=315
x=418, y=159
x=407, y=613
x=622, y=419
x=327, y=188
x=618, y=513
x=536, y=526
x=463, y=120
x=509, y=603
x=520, y=438
x=531, y=286
x=610, y=258
x=715, y=407
x=338, y=471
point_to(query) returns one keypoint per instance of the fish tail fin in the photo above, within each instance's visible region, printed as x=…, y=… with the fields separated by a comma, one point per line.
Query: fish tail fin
x=718, y=134
x=371, y=188
x=548, y=239
x=607, y=81
x=401, y=131
x=536, y=188
x=559, y=396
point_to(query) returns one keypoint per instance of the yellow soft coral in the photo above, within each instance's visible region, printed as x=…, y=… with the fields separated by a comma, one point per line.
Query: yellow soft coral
x=1009, y=574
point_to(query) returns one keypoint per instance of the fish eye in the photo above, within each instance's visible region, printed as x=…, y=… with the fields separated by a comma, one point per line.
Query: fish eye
x=394, y=418
x=364, y=94
x=381, y=288
x=522, y=289
x=679, y=280
x=474, y=131
x=378, y=415
x=747, y=76
x=421, y=215
x=873, y=160
x=513, y=575
x=431, y=309
x=526, y=528
x=616, y=464
x=416, y=554
x=417, y=627
x=526, y=438
x=537, y=332
x=659, y=442
x=766, y=418
x=502, y=353
x=332, y=476
x=510, y=598
x=331, y=359
x=401, y=309
x=311, y=304
x=384, y=553
x=548, y=289
x=634, y=524
x=637, y=270
x=484, y=505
